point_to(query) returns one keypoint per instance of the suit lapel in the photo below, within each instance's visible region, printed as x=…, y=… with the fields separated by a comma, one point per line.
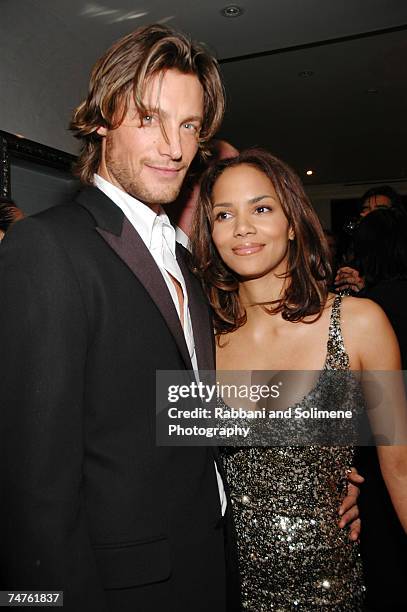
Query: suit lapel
x=201, y=322
x=121, y=236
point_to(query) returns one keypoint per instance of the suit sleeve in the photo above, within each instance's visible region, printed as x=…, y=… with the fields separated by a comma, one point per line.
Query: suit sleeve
x=44, y=543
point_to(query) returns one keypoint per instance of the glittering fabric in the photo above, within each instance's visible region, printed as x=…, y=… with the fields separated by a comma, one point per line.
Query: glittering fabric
x=292, y=554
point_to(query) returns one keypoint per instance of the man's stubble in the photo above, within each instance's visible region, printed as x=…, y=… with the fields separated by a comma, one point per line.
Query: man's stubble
x=133, y=184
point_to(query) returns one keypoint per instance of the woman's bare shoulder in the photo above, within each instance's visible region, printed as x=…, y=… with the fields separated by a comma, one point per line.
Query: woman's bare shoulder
x=369, y=334
x=362, y=312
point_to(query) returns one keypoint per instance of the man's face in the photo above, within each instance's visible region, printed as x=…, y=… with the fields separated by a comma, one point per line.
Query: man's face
x=149, y=156
x=377, y=201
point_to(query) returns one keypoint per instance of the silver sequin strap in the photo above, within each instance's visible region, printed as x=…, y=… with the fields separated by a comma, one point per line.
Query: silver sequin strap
x=337, y=357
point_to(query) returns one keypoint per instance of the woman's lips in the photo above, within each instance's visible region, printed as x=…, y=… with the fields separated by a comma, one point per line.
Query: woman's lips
x=248, y=248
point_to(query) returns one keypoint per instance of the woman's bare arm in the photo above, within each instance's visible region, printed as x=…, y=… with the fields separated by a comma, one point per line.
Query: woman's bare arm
x=379, y=355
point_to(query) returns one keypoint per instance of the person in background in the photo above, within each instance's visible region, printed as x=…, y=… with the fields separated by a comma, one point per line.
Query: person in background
x=380, y=197
x=348, y=277
x=380, y=247
x=333, y=244
x=9, y=214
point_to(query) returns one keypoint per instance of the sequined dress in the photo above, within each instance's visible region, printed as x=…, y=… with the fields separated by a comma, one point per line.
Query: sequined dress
x=292, y=554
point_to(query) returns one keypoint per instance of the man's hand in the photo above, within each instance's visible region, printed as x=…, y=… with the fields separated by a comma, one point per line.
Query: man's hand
x=348, y=510
x=349, y=278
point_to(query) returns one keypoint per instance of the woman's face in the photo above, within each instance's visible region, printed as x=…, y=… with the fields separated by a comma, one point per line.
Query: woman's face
x=250, y=229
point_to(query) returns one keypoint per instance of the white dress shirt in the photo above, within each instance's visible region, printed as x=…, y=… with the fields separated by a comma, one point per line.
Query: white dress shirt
x=158, y=235
x=181, y=237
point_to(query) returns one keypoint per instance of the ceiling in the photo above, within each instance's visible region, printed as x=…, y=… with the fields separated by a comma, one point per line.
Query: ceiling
x=346, y=121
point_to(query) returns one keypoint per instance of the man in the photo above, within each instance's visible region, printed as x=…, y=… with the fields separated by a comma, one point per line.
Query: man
x=89, y=504
x=379, y=197
x=97, y=298
x=348, y=278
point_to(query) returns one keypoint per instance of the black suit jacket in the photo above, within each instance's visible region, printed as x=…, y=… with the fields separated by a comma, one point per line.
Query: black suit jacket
x=89, y=504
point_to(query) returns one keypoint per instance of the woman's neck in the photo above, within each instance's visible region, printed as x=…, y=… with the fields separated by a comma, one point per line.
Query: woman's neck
x=260, y=291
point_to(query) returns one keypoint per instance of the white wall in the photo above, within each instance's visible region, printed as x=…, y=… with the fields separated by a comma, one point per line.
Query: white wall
x=40, y=83
x=35, y=188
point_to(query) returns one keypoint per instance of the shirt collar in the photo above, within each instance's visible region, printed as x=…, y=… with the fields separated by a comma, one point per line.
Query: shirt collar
x=143, y=218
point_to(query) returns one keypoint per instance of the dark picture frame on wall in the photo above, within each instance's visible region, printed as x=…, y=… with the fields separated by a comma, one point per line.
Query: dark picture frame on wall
x=36, y=176
x=16, y=147
x=4, y=167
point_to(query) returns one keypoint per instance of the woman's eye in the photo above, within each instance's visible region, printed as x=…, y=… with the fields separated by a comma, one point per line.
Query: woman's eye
x=222, y=216
x=262, y=209
x=147, y=119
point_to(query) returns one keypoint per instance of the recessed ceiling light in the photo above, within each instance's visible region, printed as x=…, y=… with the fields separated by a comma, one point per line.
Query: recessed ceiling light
x=232, y=11
x=305, y=74
x=310, y=172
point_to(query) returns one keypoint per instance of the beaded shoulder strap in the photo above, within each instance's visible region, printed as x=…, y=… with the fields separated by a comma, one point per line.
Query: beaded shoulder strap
x=337, y=358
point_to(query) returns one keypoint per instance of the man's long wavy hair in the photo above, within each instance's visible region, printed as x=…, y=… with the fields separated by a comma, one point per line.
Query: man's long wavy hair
x=122, y=74
x=308, y=271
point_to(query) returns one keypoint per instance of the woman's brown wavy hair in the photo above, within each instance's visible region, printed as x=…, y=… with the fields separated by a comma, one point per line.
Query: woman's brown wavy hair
x=308, y=272
x=122, y=73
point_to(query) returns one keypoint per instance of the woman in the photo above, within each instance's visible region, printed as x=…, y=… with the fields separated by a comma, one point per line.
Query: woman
x=262, y=257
